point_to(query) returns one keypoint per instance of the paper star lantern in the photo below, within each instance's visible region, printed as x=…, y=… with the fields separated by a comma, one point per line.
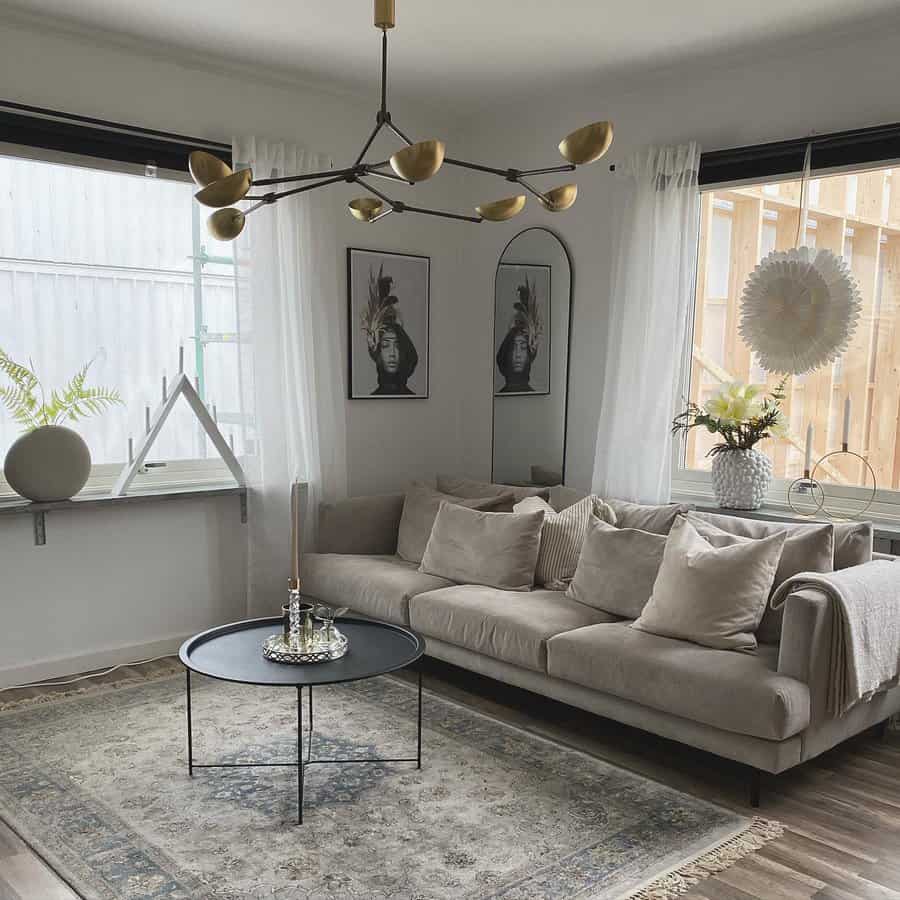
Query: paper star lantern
x=799, y=309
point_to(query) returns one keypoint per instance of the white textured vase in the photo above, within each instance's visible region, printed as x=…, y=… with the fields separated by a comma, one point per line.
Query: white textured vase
x=49, y=463
x=741, y=478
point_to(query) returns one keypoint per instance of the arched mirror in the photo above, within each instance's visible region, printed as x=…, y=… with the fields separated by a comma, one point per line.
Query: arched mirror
x=532, y=320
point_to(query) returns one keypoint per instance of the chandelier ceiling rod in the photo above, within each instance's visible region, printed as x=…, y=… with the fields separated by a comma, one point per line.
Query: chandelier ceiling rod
x=417, y=161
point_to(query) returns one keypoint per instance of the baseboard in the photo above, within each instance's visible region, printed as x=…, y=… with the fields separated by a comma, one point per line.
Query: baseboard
x=85, y=662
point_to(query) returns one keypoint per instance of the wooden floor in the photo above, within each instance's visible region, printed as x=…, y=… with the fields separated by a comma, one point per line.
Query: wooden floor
x=841, y=811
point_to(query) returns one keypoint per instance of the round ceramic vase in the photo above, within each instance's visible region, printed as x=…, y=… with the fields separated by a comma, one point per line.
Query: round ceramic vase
x=49, y=463
x=741, y=478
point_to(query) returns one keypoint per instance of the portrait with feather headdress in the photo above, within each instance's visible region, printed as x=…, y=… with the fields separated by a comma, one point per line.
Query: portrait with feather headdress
x=380, y=320
x=524, y=331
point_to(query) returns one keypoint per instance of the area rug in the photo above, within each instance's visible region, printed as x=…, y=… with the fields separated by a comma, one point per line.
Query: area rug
x=97, y=784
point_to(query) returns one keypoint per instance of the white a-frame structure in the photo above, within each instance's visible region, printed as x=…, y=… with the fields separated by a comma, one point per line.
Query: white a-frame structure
x=181, y=387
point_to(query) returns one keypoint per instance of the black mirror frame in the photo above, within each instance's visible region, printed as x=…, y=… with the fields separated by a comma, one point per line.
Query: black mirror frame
x=565, y=249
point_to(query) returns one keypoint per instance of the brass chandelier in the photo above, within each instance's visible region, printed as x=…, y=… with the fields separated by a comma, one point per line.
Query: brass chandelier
x=220, y=187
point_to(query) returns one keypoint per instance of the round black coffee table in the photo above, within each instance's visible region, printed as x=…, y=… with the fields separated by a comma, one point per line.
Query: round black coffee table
x=234, y=653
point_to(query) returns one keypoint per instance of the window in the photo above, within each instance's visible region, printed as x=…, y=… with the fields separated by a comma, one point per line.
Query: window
x=856, y=214
x=112, y=263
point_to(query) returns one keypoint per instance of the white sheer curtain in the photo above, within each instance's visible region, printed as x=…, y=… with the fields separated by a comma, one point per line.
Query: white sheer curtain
x=651, y=300
x=289, y=302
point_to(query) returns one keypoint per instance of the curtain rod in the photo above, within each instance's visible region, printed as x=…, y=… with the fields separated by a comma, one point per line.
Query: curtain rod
x=105, y=124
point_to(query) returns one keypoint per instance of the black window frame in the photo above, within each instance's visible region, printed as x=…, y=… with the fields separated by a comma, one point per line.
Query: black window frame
x=879, y=144
x=33, y=126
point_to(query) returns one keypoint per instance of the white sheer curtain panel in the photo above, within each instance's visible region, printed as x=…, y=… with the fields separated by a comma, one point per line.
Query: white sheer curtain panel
x=289, y=303
x=651, y=302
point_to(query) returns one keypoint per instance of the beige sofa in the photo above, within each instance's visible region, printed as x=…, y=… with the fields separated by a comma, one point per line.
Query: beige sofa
x=766, y=709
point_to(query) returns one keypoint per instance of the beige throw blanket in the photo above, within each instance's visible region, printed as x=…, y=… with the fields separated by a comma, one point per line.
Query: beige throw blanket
x=865, y=642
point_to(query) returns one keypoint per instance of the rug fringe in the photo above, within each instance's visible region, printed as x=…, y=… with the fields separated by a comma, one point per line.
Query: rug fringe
x=91, y=687
x=673, y=884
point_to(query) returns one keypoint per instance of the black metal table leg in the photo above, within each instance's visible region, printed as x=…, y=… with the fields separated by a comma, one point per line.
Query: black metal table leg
x=190, y=737
x=300, y=765
x=419, y=735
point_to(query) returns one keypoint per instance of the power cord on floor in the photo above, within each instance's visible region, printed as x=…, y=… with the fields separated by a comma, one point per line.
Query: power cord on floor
x=138, y=662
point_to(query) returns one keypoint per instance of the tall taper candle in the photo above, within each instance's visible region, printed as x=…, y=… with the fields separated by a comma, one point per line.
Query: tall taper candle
x=181, y=357
x=147, y=418
x=165, y=388
x=295, y=534
x=215, y=414
x=807, y=466
x=231, y=442
x=130, y=450
x=845, y=440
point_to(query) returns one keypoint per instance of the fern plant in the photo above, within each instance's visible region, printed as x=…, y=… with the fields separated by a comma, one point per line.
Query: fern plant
x=26, y=401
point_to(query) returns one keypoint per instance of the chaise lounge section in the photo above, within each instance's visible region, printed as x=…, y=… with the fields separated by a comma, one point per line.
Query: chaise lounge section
x=765, y=708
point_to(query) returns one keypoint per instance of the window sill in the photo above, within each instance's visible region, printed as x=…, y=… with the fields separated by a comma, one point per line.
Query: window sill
x=886, y=528
x=19, y=505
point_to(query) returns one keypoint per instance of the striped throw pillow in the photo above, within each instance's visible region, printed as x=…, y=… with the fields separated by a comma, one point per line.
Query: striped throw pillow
x=563, y=536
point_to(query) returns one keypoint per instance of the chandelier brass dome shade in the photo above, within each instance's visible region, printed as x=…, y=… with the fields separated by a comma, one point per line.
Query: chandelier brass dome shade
x=227, y=190
x=226, y=224
x=365, y=209
x=206, y=168
x=560, y=198
x=501, y=210
x=416, y=161
x=420, y=161
x=587, y=144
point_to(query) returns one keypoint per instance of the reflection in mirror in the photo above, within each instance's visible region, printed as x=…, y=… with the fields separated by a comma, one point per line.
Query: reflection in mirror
x=532, y=315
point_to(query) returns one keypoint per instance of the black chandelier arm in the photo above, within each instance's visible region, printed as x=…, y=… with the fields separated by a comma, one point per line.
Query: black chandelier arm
x=376, y=192
x=368, y=143
x=477, y=167
x=307, y=177
x=271, y=198
x=384, y=49
x=438, y=212
x=390, y=176
x=532, y=189
x=408, y=141
x=568, y=167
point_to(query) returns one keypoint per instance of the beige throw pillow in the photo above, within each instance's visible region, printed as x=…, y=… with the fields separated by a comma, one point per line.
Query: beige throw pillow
x=466, y=487
x=805, y=550
x=562, y=536
x=647, y=517
x=714, y=596
x=420, y=508
x=617, y=569
x=852, y=540
x=495, y=549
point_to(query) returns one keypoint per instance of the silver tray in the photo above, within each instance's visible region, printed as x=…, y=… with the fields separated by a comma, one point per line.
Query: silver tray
x=319, y=650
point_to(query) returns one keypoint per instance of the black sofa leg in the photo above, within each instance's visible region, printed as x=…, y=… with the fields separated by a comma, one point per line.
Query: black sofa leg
x=755, y=785
x=881, y=729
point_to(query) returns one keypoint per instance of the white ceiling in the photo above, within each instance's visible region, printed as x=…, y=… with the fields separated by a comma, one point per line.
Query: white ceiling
x=461, y=52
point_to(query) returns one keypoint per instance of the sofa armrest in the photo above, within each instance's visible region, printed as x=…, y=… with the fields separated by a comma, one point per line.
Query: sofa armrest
x=361, y=525
x=805, y=650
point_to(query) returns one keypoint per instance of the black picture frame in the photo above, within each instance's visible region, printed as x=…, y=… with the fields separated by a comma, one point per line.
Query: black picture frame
x=501, y=325
x=409, y=322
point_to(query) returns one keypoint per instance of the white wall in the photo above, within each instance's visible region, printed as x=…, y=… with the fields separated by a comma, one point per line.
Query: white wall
x=139, y=575
x=849, y=82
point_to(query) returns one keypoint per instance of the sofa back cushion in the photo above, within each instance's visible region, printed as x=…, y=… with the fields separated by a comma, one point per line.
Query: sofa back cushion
x=360, y=525
x=562, y=536
x=852, y=540
x=473, y=490
x=495, y=549
x=617, y=569
x=647, y=517
x=809, y=549
x=714, y=596
x=420, y=508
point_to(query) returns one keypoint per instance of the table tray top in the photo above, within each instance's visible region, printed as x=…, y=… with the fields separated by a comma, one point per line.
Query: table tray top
x=233, y=652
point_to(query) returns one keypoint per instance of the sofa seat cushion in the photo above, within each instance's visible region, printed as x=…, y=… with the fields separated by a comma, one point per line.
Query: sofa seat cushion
x=738, y=692
x=508, y=625
x=377, y=586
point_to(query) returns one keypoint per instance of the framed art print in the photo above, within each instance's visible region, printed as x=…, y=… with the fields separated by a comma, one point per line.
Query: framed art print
x=522, y=330
x=388, y=298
